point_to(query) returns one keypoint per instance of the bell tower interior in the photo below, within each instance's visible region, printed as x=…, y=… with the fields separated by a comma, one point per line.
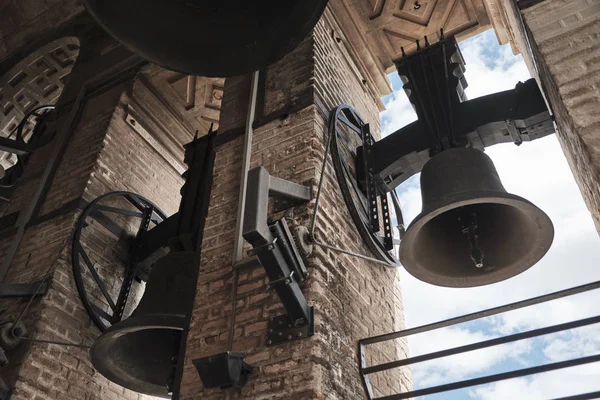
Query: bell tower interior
x=197, y=201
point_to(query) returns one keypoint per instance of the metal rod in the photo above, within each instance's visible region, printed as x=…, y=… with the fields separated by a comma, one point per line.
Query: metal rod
x=83, y=346
x=322, y=176
x=190, y=98
x=493, y=378
x=482, y=345
x=239, y=241
x=117, y=210
x=96, y=277
x=584, y=396
x=350, y=253
x=236, y=275
x=335, y=115
x=482, y=314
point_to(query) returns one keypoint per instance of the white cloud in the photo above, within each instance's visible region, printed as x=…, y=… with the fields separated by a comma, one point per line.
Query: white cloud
x=398, y=113
x=550, y=385
x=456, y=367
x=538, y=172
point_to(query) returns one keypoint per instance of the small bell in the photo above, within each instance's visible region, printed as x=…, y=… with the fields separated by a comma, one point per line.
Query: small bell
x=471, y=231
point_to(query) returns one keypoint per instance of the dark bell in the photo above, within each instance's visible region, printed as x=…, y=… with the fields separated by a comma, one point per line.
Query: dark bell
x=471, y=232
x=140, y=352
x=209, y=38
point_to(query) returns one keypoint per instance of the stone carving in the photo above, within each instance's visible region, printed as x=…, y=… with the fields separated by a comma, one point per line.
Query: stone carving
x=374, y=31
x=393, y=24
x=36, y=80
x=196, y=98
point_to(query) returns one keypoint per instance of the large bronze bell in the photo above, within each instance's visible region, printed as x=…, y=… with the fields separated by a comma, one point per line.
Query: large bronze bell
x=140, y=352
x=471, y=232
x=209, y=37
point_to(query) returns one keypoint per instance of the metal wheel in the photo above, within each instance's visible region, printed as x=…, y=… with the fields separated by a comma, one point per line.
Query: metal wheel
x=368, y=207
x=108, y=280
x=32, y=129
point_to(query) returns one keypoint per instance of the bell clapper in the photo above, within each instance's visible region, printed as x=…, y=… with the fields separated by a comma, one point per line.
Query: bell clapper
x=469, y=224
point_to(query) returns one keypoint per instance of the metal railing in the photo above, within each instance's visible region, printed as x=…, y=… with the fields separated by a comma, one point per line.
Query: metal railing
x=368, y=370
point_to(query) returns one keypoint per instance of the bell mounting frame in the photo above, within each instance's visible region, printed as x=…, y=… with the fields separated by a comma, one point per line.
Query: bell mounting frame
x=142, y=209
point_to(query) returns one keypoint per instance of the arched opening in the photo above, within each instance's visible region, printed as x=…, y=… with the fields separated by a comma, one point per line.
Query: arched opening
x=28, y=92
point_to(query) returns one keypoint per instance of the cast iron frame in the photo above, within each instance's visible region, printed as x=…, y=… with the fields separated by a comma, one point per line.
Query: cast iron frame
x=277, y=253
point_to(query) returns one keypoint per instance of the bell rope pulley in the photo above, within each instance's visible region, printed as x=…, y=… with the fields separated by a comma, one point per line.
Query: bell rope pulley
x=107, y=230
x=209, y=38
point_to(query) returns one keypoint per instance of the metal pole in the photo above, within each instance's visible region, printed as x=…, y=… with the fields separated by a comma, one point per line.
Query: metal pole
x=238, y=246
x=239, y=241
x=482, y=314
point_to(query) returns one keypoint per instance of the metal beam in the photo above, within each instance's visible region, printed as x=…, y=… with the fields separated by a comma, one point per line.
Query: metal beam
x=493, y=378
x=481, y=121
x=18, y=290
x=261, y=186
x=481, y=345
x=482, y=314
x=269, y=243
x=14, y=146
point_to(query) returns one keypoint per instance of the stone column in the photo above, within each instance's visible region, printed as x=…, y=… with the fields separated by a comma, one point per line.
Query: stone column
x=352, y=298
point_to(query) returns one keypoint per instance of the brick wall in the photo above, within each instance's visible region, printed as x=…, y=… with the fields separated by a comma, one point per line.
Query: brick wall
x=566, y=45
x=353, y=299
x=105, y=154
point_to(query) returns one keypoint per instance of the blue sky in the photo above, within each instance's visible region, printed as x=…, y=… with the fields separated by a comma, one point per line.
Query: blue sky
x=538, y=172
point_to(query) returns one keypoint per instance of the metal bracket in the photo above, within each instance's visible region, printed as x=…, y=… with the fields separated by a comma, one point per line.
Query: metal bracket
x=281, y=329
x=274, y=246
x=18, y=290
x=281, y=203
x=261, y=186
x=286, y=280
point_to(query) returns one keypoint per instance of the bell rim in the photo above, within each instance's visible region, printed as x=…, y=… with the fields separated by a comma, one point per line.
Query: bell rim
x=173, y=61
x=542, y=243
x=131, y=325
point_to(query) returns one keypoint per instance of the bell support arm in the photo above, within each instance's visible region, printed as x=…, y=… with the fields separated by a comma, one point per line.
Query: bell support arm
x=186, y=224
x=14, y=146
x=261, y=186
x=516, y=115
x=272, y=244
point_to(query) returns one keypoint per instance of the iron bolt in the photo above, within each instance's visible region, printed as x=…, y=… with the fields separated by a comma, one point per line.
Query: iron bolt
x=279, y=333
x=289, y=337
x=299, y=334
x=269, y=342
